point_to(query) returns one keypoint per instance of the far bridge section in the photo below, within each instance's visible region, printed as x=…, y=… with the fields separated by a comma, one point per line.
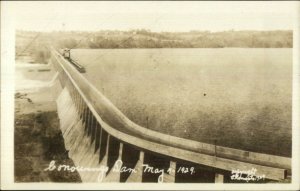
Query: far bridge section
x=99, y=136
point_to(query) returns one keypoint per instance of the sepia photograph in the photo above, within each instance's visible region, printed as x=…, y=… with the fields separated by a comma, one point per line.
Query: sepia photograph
x=126, y=93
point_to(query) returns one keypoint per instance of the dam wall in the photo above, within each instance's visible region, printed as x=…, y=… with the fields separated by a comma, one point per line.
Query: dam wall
x=107, y=147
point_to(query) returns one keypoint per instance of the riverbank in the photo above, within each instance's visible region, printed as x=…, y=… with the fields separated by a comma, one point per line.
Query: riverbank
x=37, y=136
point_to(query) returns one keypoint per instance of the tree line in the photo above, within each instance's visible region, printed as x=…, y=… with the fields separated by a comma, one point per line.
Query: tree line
x=142, y=38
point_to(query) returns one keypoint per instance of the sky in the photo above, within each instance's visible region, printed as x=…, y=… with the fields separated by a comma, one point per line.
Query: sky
x=153, y=15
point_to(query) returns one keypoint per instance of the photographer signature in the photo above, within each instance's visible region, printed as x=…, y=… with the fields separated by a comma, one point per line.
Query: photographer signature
x=246, y=175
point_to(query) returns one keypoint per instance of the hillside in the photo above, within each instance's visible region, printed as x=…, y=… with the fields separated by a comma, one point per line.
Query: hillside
x=35, y=42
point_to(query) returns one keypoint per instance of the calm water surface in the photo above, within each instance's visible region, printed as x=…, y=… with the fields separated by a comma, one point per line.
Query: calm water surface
x=240, y=97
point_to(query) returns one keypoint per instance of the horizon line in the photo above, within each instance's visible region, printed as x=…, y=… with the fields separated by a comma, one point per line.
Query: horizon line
x=149, y=30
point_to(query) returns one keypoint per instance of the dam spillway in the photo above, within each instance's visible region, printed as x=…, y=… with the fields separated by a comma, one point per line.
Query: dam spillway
x=98, y=135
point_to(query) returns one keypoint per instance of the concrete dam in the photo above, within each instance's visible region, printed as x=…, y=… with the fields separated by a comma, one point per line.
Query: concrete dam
x=106, y=146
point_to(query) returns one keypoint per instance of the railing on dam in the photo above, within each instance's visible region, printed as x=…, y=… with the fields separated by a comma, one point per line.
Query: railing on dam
x=115, y=138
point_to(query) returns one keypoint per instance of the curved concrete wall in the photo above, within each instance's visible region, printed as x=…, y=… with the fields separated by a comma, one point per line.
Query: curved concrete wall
x=125, y=130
